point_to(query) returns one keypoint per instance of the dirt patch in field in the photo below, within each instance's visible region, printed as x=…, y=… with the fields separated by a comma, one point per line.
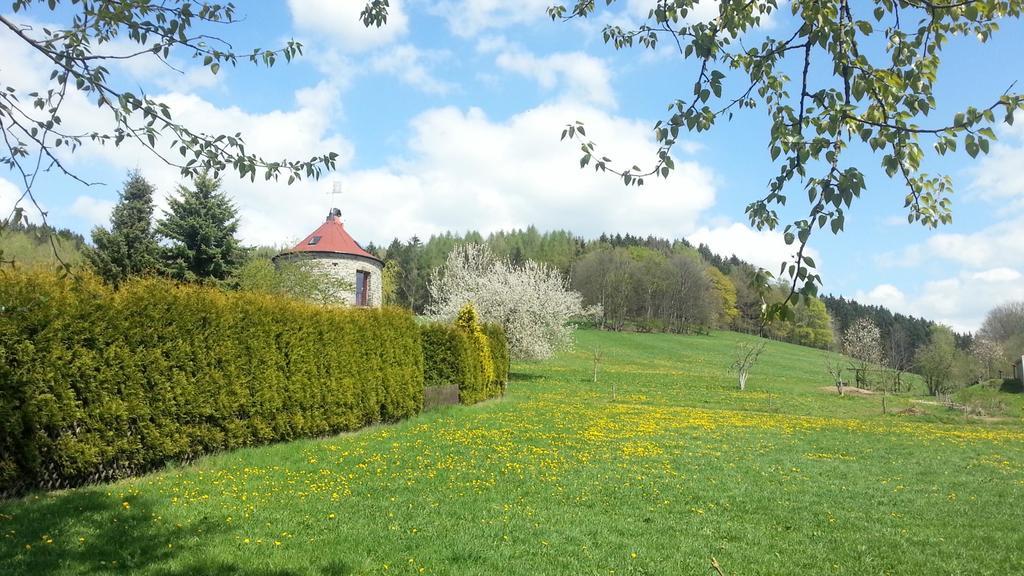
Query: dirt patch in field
x=910, y=411
x=849, y=390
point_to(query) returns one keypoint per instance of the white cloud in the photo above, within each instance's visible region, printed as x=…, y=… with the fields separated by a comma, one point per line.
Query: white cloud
x=461, y=170
x=960, y=301
x=271, y=212
x=412, y=66
x=885, y=295
x=9, y=195
x=581, y=77
x=468, y=18
x=763, y=248
x=1001, y=244
x=703, y=11
x=338, y=21
x=998, y=176
x=464, y=171
x=996, y=275
x=94, y=211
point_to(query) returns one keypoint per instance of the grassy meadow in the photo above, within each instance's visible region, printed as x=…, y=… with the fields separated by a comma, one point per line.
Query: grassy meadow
x=657, y=468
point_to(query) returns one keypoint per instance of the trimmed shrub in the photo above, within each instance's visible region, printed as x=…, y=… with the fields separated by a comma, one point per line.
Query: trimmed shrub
x=445, y=356
x=96, y=384
x=482, y=385
x=454, y=356
x=500, y=357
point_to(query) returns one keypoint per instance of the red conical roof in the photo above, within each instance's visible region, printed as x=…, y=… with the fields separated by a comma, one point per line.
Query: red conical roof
x=332, y=238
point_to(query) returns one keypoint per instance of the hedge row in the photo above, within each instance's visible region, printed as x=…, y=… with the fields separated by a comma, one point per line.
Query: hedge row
x=96, y=384
x=452, y=356
x=500, y=354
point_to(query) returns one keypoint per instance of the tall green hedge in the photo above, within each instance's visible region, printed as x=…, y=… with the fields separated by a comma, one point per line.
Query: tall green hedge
x=445, y=351
x=96, y=384
x=499, y=353
x=451, y=357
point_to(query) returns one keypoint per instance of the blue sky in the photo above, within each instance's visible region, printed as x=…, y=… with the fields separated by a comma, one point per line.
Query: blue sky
x=449, y=118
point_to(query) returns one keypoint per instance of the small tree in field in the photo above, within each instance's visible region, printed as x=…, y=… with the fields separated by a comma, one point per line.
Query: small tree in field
x=746, y=356
x=531, y=301
x=988, y=354
x=936, y=361
x=834, y=367
x=863, y=343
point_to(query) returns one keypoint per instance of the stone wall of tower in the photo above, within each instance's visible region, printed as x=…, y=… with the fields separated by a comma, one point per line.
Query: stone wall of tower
x=344, y=267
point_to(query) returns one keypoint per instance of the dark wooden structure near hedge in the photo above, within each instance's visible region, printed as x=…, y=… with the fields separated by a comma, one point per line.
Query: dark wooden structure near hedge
x=437, y=396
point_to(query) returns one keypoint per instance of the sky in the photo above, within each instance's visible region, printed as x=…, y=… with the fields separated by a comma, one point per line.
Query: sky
x=449, y=118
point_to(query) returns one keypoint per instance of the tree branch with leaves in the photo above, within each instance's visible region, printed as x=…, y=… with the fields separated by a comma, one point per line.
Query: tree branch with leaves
x=867, y=77
x=34, y=134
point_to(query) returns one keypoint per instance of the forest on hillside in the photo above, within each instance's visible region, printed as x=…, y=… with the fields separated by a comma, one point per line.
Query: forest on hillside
x=30, y=244
x=651, y=284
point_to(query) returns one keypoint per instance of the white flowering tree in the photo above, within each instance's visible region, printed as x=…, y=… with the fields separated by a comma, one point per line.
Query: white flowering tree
x=863, y=343
x=532, y=301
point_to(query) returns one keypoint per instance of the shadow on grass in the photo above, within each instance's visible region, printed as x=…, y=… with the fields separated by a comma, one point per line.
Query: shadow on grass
x=221, y=568
x=524, y=377
x=87, y=532
x=1011, y=386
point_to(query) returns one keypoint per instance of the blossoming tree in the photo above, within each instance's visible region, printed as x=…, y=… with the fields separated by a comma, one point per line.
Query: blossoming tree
x=531, y=301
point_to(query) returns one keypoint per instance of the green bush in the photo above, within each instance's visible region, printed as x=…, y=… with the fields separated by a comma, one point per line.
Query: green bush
x=499, y=353
x=445, y=356
x=96, y=384
x=452, y=356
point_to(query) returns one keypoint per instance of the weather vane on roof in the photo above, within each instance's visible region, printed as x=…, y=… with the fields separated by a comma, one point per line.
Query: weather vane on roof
x=335, y=191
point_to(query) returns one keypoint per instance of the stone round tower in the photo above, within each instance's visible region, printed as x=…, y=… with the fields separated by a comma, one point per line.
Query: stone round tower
x=330, y=248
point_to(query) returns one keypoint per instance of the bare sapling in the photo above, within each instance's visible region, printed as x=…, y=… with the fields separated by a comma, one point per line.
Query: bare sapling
x=834, y=367
x=746, y=356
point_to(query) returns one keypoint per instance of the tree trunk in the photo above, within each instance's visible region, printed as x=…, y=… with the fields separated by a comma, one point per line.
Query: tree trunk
x=743, y=380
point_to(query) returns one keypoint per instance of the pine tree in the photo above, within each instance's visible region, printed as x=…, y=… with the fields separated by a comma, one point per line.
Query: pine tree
x=200, y=227
x=129, y=248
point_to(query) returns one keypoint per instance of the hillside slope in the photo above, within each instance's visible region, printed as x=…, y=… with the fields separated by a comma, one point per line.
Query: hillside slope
x=559, y=478
x=675, y=370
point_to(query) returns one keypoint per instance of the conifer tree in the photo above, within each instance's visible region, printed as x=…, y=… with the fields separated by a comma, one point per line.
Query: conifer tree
x=200, y=228
x=129, y=248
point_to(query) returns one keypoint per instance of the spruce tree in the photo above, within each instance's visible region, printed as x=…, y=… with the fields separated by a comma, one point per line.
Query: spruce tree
x=200, y=228
x=129, y=248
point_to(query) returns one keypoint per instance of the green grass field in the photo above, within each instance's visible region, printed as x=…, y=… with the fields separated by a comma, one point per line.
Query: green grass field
x=559, y=478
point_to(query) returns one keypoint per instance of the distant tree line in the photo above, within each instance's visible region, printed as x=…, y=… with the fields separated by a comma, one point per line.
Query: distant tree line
x=641, y=283
x=901, y=336
x=26, y=242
